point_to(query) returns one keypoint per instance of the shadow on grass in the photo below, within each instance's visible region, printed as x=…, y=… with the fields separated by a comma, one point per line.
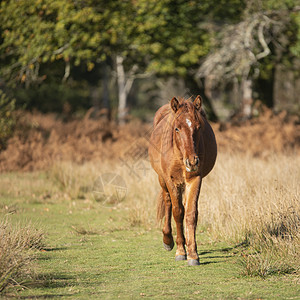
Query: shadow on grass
x=40, y=296
x=220, y=253
x=49, y=249
x=226, y=249
x=51, y=281
x=213, y=259
x=205, y=252
x=208, y=262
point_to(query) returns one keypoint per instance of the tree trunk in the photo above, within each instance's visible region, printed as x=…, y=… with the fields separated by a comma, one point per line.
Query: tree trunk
x=122, y=113
x=105, y=92
x=286, y=88
x=246, y=107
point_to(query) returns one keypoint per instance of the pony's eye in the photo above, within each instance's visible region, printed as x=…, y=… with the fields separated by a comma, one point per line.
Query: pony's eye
x=177, y=129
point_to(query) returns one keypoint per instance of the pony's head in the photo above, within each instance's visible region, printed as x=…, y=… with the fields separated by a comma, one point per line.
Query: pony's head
x=188, y=121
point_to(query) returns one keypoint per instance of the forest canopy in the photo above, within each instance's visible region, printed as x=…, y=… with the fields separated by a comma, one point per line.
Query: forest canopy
x=71, y=55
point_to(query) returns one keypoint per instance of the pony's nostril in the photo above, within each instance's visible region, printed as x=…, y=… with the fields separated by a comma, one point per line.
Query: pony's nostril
x=193, y=162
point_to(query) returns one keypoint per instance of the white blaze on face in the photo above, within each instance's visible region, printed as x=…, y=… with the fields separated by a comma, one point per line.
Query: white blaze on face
x=188, y=122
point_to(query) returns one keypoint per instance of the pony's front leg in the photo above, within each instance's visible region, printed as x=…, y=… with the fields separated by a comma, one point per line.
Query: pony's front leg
x=178, y=214
x=192, y=190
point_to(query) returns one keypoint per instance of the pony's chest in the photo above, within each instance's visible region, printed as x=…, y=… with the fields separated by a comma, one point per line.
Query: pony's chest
x=177, y=174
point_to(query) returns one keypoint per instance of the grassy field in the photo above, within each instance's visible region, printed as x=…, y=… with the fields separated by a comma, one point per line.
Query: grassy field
x=103, y=242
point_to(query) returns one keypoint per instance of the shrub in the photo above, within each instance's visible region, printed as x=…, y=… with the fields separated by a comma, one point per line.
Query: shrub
x=7, y=118
x=17, y=245
x=274, y=247
x=256, y=200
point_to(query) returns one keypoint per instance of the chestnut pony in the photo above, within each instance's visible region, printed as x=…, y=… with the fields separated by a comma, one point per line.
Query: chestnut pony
x=182, y=151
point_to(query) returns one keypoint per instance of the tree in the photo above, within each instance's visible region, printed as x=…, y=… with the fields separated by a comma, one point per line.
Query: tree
x=241, y=46
x=41, y=31
x=141, y=37
x=37, y=32
x=176, y=35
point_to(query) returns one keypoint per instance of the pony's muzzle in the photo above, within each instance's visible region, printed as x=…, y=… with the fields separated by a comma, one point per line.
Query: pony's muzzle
x=192, y=163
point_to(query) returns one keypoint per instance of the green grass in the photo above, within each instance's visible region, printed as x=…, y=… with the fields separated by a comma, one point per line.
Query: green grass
x=93, y=252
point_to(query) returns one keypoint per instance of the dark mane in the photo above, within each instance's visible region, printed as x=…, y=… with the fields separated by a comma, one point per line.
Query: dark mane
x=184, y=103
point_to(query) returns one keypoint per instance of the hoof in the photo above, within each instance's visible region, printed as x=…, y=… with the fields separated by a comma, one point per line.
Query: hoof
x=169, y=247
x=180, y=257
x=193, y=262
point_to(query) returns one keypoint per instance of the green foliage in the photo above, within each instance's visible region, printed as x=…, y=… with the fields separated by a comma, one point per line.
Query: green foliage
x=40, y=31
x=295, y=47
x=55, y=97
x=169, y=37
x=7, y=118
x=162, y=36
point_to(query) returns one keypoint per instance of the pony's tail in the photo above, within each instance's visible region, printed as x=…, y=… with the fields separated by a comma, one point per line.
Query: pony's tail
x=160, y=213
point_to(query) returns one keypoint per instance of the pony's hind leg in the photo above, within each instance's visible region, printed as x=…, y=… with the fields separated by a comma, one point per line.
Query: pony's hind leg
x=167, y=229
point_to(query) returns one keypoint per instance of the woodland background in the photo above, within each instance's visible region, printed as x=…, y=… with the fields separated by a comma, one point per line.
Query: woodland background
x=126, y=58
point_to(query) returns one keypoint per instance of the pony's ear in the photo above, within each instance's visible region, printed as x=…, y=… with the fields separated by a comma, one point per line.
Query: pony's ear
x=198, y=102
x=174, y=104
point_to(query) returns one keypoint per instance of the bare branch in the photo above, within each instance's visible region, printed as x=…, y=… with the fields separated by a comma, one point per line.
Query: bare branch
x=61, y=49
x=262, y=42
x=242, y=45
x=248, y=34
x=67, y=71
x=132, y=76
